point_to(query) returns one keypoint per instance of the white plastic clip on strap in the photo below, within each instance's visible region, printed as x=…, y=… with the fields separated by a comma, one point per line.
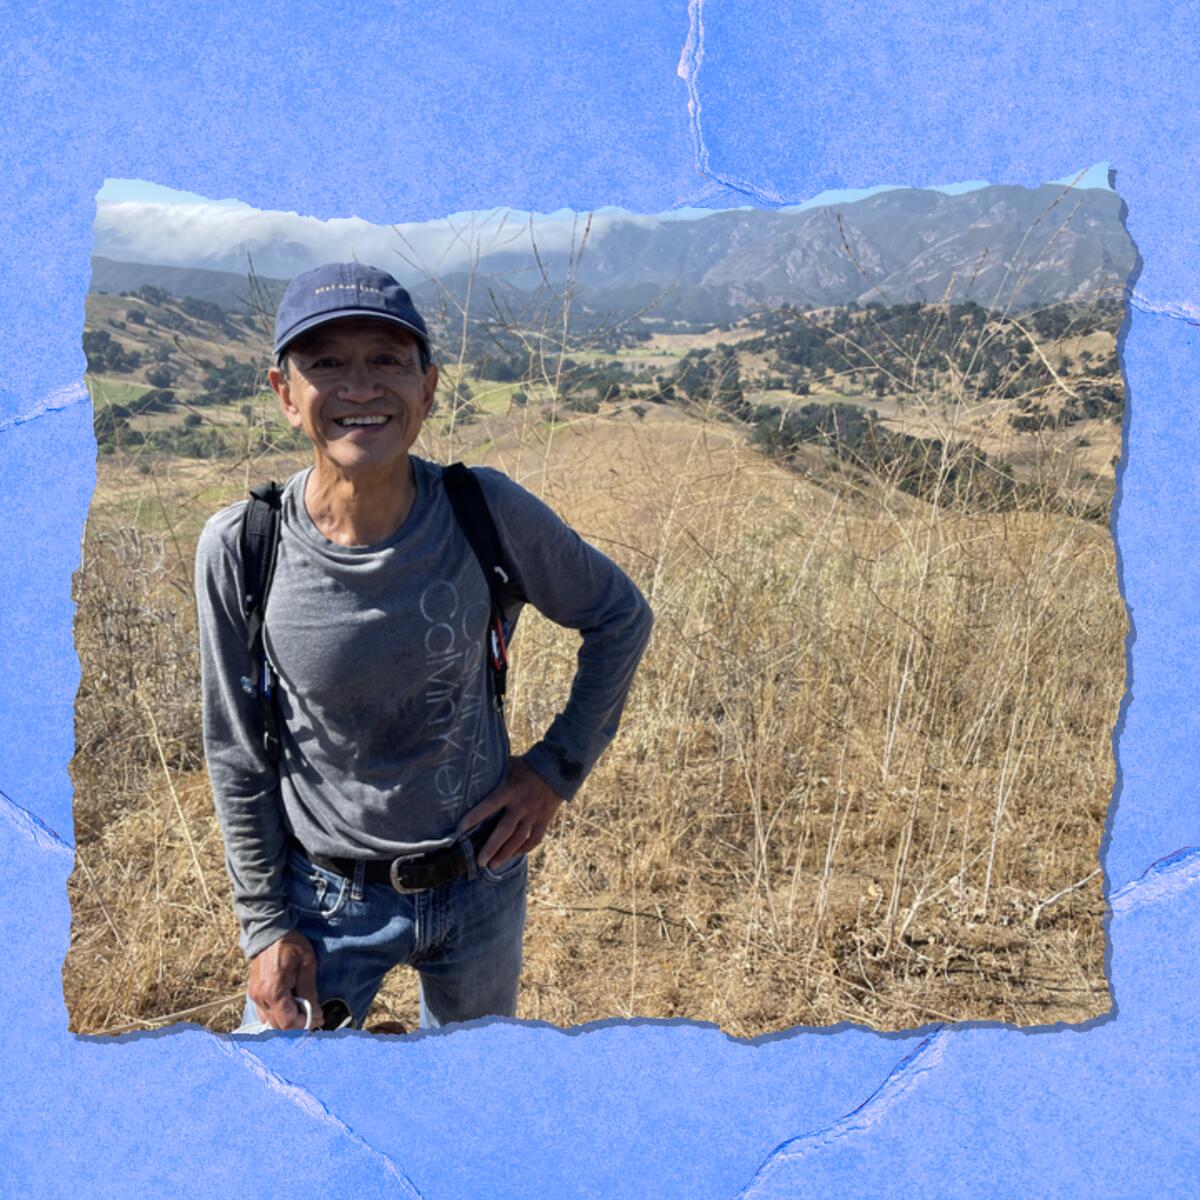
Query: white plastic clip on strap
x=308, y=1025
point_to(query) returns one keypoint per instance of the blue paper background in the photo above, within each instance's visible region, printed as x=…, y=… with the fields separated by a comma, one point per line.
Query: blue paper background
x=404, y=112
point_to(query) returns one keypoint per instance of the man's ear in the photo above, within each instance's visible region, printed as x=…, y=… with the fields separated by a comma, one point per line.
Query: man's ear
x=279, y=384
x=429, y=384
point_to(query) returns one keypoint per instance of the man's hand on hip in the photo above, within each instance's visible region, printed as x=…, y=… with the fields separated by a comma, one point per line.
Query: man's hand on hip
x=530, y=805
x=284, y=970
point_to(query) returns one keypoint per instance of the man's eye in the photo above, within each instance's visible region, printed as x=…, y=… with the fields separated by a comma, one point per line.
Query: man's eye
x=323, y=363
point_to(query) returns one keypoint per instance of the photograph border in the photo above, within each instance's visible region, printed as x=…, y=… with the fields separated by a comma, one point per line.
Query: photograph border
x=677, y=106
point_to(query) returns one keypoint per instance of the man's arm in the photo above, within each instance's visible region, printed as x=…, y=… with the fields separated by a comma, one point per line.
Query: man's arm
x=245, y=784
x=573, y=584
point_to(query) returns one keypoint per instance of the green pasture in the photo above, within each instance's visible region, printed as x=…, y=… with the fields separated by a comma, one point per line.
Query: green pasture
x=106, y=389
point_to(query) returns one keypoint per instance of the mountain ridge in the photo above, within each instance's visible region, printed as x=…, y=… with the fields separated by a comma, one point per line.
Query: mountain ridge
x=1001, y=246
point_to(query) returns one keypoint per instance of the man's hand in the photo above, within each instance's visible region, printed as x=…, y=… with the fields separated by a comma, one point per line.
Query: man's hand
x=285, y=969
x=529, y=804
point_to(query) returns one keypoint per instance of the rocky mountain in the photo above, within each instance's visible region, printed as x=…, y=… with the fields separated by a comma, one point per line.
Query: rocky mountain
x=998, y=246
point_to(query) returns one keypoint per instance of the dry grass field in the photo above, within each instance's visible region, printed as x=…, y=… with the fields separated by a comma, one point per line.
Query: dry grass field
x=862, y=775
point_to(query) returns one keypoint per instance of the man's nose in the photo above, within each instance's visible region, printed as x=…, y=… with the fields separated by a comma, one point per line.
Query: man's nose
x=359, y=381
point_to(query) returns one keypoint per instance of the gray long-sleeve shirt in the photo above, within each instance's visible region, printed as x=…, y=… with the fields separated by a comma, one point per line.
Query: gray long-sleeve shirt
x=388, y=731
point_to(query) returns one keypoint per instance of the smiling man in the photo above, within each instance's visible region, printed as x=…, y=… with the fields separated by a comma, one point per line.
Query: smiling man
x=392, y=824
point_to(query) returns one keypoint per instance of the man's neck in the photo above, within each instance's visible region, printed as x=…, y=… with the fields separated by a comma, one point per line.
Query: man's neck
x=359, y=509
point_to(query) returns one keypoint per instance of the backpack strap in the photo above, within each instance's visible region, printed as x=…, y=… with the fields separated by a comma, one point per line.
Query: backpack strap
x=259, y=546
x=475, y=520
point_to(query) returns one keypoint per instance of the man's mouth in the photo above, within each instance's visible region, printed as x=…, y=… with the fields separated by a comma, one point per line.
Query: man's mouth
x=357, y=422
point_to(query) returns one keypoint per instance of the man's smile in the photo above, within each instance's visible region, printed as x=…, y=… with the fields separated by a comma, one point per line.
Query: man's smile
x=361, y=421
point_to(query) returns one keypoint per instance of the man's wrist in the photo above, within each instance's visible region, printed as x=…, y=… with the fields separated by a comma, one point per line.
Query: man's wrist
x=553, y=769
x=263, y=936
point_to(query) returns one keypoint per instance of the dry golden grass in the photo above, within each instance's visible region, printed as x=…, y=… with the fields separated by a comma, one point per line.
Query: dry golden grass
x=862, y=775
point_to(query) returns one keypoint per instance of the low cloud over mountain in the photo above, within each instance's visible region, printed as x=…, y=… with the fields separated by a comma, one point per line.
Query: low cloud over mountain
x=999, y=246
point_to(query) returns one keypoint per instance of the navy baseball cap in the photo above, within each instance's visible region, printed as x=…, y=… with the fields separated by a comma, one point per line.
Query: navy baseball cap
x=336, y=290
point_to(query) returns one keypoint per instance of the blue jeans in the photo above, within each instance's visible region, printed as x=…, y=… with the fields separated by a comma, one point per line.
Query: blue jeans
x=463, y=938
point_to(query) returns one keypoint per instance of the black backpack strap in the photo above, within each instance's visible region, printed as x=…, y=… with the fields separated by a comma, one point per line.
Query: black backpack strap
x=475, y=520
x=259, y=547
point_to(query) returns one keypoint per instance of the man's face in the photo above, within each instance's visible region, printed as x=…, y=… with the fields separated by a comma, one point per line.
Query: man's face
x=356, y=388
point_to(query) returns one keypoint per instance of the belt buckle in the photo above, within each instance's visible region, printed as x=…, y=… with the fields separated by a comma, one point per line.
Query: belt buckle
x=394, y=878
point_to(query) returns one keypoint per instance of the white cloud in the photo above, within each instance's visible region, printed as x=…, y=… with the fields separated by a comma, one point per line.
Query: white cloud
x=220, y=235
x=142, y=222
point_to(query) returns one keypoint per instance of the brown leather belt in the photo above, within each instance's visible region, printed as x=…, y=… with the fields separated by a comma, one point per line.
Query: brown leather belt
x=411, y=872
